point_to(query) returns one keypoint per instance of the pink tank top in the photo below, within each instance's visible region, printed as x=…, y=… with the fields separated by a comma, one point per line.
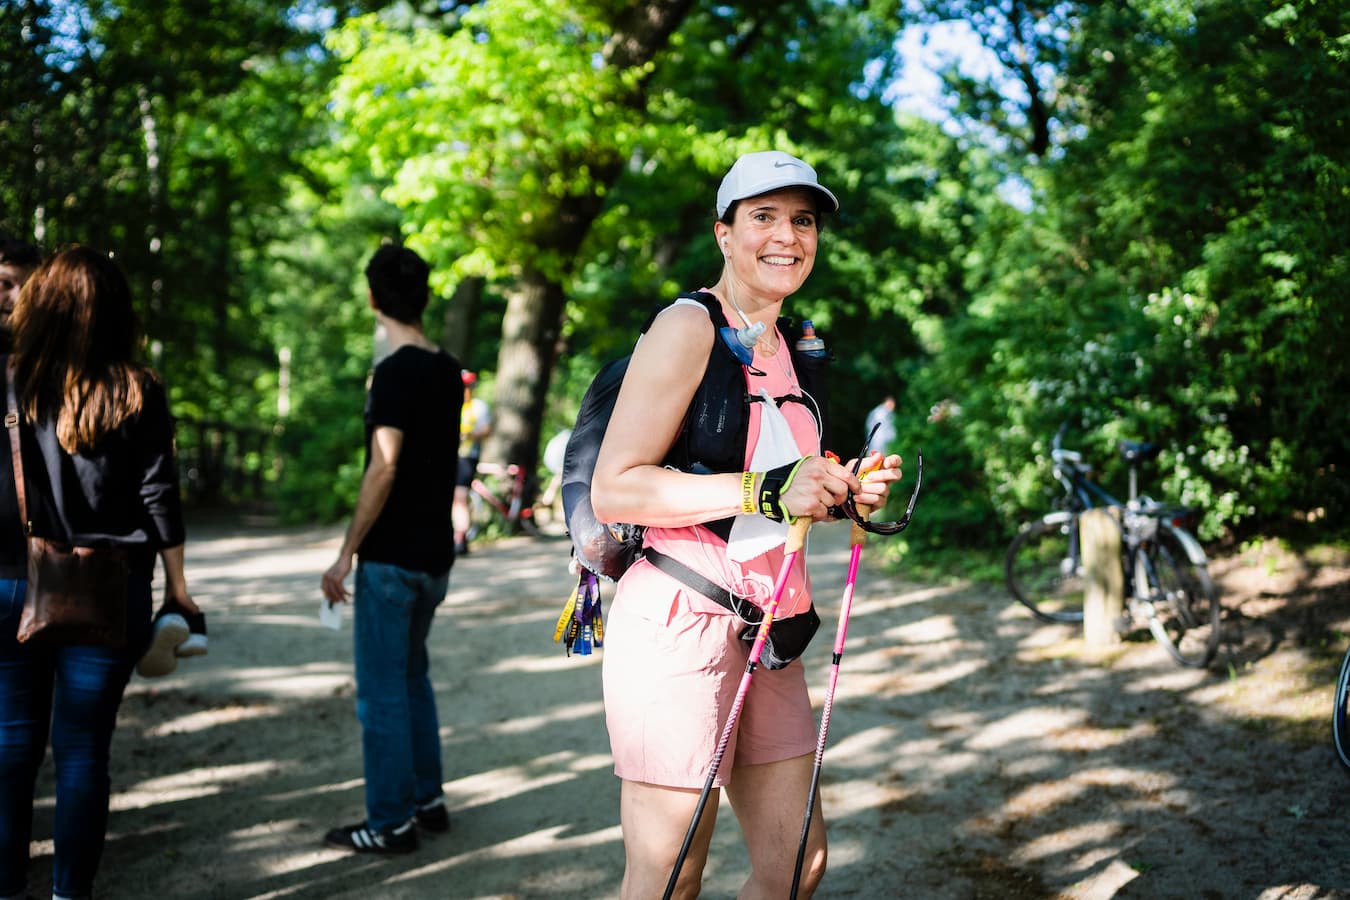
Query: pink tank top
x=706, y=553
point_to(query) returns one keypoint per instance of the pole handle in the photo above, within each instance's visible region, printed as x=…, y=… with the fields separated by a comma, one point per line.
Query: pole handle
x=857, y=536
x=796, y=538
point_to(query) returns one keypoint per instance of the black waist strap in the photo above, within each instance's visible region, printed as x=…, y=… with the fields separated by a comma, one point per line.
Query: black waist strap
x=686, y=576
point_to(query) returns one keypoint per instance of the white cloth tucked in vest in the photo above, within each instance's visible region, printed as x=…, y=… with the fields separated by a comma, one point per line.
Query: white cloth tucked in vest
x=753, y=535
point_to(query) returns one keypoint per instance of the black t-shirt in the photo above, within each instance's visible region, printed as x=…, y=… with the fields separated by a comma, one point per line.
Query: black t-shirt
x=419, y=392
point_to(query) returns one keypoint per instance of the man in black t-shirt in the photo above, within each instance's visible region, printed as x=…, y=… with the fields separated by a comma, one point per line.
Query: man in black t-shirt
x=403, y=537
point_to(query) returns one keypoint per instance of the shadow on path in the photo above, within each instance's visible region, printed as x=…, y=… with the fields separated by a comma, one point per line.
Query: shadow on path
x=972, y=753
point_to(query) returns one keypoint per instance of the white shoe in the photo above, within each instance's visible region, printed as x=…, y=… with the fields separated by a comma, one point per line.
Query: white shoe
x=195, y=645
x=170, y=630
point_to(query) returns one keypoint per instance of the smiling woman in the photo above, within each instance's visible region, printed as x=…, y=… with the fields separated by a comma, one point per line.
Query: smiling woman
x=717, y=549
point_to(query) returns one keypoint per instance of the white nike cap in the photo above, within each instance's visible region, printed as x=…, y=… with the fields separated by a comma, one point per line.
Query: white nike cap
x=771, y=170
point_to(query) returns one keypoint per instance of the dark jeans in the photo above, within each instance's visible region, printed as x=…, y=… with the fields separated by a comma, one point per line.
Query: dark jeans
x=400, y=733
x=74, y=692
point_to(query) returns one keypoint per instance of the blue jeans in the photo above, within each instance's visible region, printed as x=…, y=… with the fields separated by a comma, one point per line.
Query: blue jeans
x=75, y=690
x=400, y=734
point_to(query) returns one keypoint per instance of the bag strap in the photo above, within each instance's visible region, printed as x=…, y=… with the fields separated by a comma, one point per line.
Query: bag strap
x=686, y=576
x=12, y=426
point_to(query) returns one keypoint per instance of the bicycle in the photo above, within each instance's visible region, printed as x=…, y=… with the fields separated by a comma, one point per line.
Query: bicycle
x=497, y=497
x=1340, y=723
x=1166, y=573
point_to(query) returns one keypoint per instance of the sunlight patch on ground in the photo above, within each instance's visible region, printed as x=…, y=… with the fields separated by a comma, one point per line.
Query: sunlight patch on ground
x=1071, y=679
x=263, y=837
x=544, y=841
x=510, y=781
x=543, y=619
x=874, y=604
x=211, y=718
x=848, y=798
x=1012, y=730
x=191, y=784
x=932, y=630
x=873, y=747
x=287, y=683
x=1052, y=642
x=1105, y=884
x=1086, y=738
x=563, y=713
x=931, y=679
x=334, y=787
x=1301, y=891
x=1285, y=690
x=1032, y=764
x=1067, y=840
x=949, y=762
x=536, y=663
x=1043, y=798
x=235, y=567
x=845, y=852
x=273, y=620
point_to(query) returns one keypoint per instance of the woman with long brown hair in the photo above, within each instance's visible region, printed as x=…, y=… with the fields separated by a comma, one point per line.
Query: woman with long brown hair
x=97, y=443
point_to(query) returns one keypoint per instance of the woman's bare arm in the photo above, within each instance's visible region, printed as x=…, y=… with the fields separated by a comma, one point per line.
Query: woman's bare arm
x=629, y=483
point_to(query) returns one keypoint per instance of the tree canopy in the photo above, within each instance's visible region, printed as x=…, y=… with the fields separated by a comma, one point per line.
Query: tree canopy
x=1134, y=224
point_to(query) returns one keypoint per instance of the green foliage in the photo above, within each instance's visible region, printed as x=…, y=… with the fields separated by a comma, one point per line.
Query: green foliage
x=1175, y=269
x=1181, y=275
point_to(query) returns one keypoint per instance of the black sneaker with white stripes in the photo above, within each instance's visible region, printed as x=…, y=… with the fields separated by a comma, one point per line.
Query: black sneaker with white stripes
x=433, y=817
x=360, y=838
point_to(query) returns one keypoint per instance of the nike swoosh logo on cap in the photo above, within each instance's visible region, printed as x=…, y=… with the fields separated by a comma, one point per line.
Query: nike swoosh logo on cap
x=780, y=164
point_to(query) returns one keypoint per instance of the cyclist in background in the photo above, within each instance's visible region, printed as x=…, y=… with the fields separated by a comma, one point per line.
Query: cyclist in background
x=475, y=423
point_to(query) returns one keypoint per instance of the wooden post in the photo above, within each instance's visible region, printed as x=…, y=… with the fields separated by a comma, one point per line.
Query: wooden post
x=1104, y=591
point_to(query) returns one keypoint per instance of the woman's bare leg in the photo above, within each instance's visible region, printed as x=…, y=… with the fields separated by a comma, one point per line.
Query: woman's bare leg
x=770, y=801
x=654, y=821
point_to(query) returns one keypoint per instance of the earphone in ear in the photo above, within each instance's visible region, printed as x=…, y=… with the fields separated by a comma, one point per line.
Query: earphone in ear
x=724, y=242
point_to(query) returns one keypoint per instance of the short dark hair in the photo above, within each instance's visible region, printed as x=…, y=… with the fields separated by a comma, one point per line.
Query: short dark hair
x=398, y=282
x=14, y=252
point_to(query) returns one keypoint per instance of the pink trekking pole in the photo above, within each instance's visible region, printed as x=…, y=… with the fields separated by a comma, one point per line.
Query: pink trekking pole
x=859, y=513
x=796, y=539
x=857, y=537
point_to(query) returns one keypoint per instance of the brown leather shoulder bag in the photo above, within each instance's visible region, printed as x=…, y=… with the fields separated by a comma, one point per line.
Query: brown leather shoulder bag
x=75, y=595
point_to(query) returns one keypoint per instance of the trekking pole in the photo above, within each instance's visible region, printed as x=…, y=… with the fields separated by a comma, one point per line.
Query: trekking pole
x=796, y=539
x=859, y=513
x=857, y=537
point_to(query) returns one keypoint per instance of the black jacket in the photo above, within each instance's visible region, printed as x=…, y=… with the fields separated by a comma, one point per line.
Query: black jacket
x=125, y=493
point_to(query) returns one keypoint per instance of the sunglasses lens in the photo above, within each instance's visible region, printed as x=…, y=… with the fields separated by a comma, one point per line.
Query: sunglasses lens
x=850, y=506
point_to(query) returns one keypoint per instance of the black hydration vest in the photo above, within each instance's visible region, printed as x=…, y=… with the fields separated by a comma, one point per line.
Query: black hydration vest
x=712, y=440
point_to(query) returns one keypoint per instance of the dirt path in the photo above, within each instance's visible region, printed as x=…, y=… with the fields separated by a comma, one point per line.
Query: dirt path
x=973, y=754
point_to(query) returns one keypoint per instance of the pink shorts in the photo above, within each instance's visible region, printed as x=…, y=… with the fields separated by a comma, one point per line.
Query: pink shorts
x=670, y=679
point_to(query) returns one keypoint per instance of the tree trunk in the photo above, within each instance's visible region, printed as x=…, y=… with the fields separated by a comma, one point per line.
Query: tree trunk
x=460, y=312
x=534, y=307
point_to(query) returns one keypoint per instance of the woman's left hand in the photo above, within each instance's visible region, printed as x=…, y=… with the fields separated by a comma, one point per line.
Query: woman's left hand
x=876, y=473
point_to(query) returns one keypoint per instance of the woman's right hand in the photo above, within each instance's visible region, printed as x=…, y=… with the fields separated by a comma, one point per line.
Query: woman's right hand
x=820, y=483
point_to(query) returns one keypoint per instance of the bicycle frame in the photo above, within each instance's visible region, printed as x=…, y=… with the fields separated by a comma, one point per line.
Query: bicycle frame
x=1165, y=570
x=511, y=507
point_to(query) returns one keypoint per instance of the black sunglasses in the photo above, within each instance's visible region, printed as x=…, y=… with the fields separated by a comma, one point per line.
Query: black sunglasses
x=850, y=505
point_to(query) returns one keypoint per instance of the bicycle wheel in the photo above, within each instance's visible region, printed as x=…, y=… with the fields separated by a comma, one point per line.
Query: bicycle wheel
x=1044, y=568
x=1340, y=726
x=1179, y=598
